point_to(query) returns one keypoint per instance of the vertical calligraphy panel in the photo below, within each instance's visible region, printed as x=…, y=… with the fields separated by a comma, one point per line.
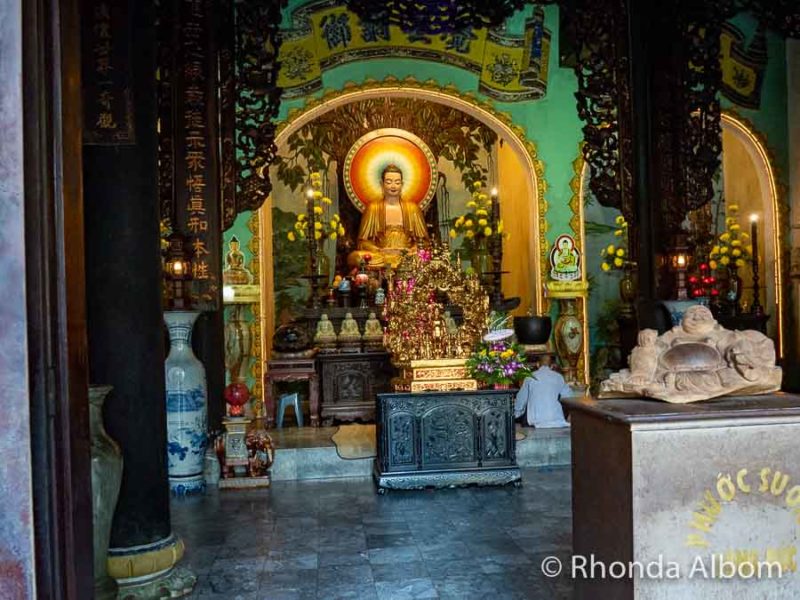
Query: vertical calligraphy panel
x=197, y=206
x=227, y=96
x=107, y=98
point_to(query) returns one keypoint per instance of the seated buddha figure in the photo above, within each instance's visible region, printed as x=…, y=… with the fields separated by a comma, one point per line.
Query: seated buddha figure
x=389, y=225
x=235, y=272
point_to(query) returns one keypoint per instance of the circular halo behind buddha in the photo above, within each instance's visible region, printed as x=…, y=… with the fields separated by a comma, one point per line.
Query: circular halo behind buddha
x=390, y=146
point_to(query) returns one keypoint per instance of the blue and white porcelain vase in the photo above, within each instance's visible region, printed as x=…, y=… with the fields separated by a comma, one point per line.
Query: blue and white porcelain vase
x=187, y=407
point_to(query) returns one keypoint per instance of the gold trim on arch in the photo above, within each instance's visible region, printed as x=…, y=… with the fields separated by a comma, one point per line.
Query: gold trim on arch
x=577, y=225
x=779, y=214
x=483, y=110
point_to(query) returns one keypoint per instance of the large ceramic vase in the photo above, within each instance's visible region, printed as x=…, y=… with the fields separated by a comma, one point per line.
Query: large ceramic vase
x=187, y=407
x=106, y=480
x=238, y=344
x=569, y=339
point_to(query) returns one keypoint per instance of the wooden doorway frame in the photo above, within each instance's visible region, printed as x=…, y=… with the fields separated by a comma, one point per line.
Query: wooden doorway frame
x=55, y=288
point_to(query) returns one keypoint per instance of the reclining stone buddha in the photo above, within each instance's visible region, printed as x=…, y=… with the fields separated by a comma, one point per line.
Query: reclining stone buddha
x=697, y=360
x=389, y=225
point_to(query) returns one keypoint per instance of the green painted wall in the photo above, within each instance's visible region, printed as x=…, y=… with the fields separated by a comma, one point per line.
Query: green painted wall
x=551, y=123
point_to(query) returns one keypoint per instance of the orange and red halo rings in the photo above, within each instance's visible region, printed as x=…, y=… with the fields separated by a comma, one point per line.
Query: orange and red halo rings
x=369, y=160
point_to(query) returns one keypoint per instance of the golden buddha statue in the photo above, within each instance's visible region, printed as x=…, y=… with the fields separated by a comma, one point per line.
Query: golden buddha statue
x=235, y=272
x=389, y=225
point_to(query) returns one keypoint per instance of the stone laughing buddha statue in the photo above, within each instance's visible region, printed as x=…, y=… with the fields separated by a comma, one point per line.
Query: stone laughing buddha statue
x=389, y=225
x=697, y=360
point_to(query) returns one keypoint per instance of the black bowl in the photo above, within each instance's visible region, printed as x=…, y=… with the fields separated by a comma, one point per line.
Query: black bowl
x=532, y=331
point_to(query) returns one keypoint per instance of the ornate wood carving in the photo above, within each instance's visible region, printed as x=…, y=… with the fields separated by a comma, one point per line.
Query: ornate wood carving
x=442, y=439
x=599, y=33
x=350, y=382
x=699, y=131
x=258, y=98
x=436, y=17
x=448, y=434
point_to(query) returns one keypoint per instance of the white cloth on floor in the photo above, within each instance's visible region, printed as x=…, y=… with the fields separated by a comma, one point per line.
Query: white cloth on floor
x=539, y=394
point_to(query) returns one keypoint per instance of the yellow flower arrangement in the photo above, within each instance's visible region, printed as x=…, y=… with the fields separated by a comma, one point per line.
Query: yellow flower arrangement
x=732, y=248
x=616, y=256
x=327, y=224
x=475, y=224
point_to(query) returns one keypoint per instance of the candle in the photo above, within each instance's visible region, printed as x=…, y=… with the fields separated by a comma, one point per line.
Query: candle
x=754, y=236
x=495, y=208
x=756, y=307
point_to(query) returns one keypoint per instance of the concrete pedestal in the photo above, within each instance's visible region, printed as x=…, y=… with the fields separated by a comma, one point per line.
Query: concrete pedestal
x=686, y=501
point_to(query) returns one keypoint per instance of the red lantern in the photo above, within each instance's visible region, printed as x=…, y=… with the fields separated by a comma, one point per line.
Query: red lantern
x=236, y=395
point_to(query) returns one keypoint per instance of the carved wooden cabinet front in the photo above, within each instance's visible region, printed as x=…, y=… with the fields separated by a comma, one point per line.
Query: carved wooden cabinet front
x=445, y=438
x=350, y=383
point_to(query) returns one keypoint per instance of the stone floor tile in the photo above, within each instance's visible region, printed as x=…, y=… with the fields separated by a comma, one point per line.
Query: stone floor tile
x=399, y=571
x=339, y=539
x=395, y=554
x=407, y=589
x=348, y=592
x=344, y=575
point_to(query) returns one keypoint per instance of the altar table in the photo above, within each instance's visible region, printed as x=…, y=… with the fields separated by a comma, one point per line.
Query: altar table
x=691, y=486
x=444, y=439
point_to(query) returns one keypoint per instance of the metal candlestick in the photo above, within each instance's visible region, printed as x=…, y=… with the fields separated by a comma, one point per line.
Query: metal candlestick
x=756, y=307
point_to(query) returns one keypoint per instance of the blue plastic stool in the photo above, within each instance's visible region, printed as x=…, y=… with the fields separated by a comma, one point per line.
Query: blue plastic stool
x=289, y=400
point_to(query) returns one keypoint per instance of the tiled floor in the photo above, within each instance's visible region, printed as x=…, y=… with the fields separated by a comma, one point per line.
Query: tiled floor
x=339, y=539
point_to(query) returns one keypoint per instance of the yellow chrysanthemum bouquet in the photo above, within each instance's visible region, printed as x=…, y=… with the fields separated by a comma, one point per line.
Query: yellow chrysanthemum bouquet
x=615, y=256
x=476, y=223
x=734, y=248
x=327, y=223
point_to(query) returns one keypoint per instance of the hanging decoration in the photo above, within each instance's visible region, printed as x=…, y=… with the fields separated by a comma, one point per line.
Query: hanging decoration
x=599, y=31
x=258, y=97
x=436, y=17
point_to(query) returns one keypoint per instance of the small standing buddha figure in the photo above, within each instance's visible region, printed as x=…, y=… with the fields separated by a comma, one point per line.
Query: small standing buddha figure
x=235, y=272
x=325, y=337
x=450, y=323
x=389, y=226
x=373, y=332
x=349, y=334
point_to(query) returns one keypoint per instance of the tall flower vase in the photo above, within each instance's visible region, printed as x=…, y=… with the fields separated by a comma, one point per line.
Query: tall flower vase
x=481, y=260
x=627, y=293
x=187, y=407
x=106, y=479
x=733, y=292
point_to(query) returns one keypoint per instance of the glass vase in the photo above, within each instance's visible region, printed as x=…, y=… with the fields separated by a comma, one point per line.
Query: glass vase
x=733, y=291
x=323, y=267
x=627, y=291
x=481, y=260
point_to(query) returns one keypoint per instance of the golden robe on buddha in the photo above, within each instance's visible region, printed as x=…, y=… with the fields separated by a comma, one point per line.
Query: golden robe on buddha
x=385, y=238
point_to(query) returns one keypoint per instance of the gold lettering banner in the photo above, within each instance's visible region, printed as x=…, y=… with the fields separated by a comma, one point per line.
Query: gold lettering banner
x=510, y=68
x=742, y=66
